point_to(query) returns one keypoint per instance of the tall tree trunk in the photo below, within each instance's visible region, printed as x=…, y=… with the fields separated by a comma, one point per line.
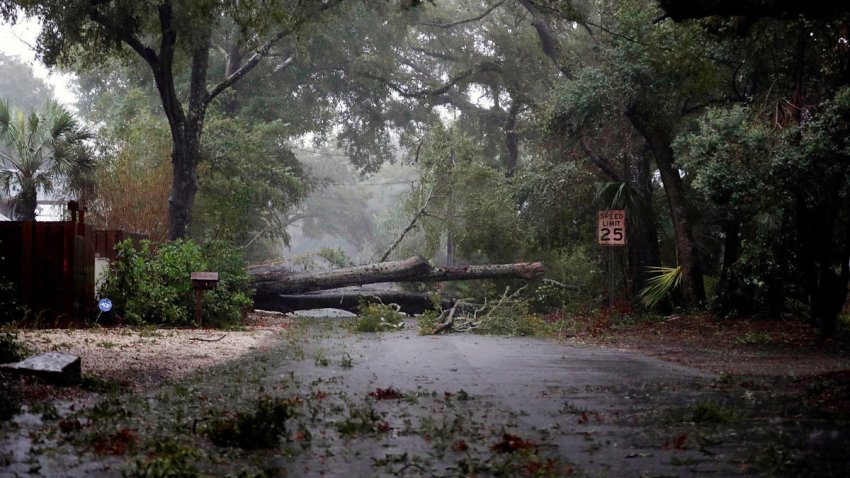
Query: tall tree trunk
x=659, y=140
x=728, y=294
x=186, y=145
x=26, y=203
x=511, y=140
x=186, y=125
x=825, y=254
x=184, y=186
x=643, y=239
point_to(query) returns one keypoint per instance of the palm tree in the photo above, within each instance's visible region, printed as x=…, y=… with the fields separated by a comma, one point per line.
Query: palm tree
x=38, y=148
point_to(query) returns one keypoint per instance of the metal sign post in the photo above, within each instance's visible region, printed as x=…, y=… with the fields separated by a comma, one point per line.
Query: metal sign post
x=611, y=232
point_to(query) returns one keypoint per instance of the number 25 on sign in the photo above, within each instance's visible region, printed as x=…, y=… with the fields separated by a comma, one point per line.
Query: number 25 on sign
x=611, y=230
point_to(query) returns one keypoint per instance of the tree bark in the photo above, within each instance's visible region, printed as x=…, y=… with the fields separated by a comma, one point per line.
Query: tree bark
x=659, y=141
x=26, y=203
x=512, y=139
x=643, y=243
x=825, y=255
x=415, y=269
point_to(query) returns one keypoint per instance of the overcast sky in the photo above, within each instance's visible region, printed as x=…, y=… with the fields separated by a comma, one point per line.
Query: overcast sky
x=18, y=40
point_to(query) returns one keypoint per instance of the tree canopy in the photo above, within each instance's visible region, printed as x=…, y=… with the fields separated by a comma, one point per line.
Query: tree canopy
x=719, y=126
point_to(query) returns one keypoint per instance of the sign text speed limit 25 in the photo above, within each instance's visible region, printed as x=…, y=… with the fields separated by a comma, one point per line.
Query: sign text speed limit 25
x=611, y=230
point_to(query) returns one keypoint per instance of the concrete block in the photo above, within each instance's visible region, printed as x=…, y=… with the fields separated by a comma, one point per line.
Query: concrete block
x=55, y=367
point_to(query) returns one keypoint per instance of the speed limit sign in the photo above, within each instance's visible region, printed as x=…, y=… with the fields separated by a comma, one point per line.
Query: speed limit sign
x=611, y=230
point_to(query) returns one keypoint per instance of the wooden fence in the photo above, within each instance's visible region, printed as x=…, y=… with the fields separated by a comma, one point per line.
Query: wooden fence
x=105, y=240
x=52, y=264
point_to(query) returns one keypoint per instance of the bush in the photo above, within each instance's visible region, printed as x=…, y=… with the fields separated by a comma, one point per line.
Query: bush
x=377, y=317
x=152, y=284
x=260, y=428
x=10, y=399
x=10, y=403
x=10, y=309
x=10, y=349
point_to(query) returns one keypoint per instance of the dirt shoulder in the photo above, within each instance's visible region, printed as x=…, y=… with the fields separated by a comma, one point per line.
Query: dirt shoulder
x=770, y=348
x=144, y=356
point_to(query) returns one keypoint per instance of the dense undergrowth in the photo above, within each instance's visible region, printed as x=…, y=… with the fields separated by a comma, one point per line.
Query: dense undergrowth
x=150, y=284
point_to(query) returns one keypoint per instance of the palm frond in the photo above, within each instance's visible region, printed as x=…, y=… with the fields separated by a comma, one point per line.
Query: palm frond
x=658, y=287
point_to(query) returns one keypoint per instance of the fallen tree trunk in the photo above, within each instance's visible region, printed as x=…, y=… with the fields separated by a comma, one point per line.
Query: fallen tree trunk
x=281, y=281
x=410, y=302
x=416, y=269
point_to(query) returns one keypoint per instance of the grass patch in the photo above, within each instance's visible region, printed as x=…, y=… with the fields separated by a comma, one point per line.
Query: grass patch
x=361, y=421
x=102, y=385
x=168, y=459
x=261, y=427
x=755, y=338
x=710, y=412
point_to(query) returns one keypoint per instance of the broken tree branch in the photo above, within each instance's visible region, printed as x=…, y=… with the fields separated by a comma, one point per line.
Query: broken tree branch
x=409, y=227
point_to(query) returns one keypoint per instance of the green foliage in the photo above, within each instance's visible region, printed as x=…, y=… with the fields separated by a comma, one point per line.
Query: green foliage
x=171, y=460
x=38, y=147
x=133, y=171
x=102, y=385
x=659, y=287
x=336, y=258
x=19, y=84
x=377, y=317
x=247, y=184
x=729, y=156
x=360, y=421
x=10, y=349
x=151, y=284
x=468, y=200
x=10, y=308
x=427, y=321
x=261, y=427
x=710, y=412
x=755, y=338
x=10, y=403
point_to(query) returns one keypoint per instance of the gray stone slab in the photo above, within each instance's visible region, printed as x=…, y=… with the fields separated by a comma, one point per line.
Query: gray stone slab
x=55, y=367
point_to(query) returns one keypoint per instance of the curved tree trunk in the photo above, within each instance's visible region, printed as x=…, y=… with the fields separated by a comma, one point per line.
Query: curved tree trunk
x=659, y=140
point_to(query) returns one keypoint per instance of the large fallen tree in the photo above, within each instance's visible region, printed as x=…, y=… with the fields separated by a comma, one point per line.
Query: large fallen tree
x=282, y=290
x=416, y=269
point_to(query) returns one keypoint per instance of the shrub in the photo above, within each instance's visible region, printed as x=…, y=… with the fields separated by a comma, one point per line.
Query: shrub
x=260, y=428
x=377, y=317
x=10, y=349
x=10, y=309
x=151, y=284
x=10, y=403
